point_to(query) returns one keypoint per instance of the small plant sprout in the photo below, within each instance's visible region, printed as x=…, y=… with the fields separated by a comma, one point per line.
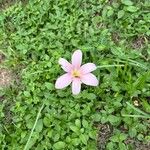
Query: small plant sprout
x=76, y=74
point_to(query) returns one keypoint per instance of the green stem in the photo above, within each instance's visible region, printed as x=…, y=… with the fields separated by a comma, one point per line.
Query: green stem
x=135, y=116
x=108, y=66
x=31, y=133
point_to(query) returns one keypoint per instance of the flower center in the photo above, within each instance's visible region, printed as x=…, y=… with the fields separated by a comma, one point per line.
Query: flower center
x=76, y=73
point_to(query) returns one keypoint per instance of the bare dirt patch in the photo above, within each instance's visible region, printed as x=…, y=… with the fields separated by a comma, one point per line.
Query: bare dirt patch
x=2, y=57
x=7, y=3
x=115, y=38
x=5, y=77
x=137, y=144
x=138, y=43
x=5, y=74
x=105, y=131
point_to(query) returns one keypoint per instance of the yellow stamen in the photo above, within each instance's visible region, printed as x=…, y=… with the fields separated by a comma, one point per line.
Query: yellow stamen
x=75, y=73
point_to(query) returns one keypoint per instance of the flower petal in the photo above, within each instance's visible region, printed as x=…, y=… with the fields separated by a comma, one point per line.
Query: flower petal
x=76, y=86
x=77, y=58
x=63, y=81
x=87, y=68
x=65, y=65
x=89, y=79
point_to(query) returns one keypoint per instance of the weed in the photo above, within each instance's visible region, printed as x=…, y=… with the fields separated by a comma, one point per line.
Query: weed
x=112, y=34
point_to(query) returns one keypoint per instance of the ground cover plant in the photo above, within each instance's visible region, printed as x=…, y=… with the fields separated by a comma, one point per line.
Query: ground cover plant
x=114, y=35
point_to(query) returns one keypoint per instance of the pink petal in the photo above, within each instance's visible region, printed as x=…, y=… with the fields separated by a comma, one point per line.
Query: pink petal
x=87, y=68
x=65, y=65
x=77, y=58
x=76, y=86
x=63, y=81
x=89, y=79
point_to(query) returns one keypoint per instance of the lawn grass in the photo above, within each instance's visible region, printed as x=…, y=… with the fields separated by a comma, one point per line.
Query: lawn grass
x=34, y=115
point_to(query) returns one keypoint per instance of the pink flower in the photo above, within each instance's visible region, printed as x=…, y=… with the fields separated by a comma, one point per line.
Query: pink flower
x=76, y=74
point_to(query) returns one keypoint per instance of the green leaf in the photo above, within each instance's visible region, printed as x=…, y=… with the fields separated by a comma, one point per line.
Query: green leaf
x=32, y=142
x=114, y=120
x=110, y=12
x=140, y=137
x=115, y=138
x=132, y=132
x=122, y=146
x=110, y=146
x=48, y=85
x=92, y=134
x=146, y=105
x=78, y=123
x=140, y=82
x=97, y=117
x=59, y=145
x=74, y=128
x=76, y=141
x=50, y=134
x=122, y=137
x=91, y=96
x=127, y=2
x=119, y=137
x=46, y=121
x=121, y=14
x=84, y=138
x=132, y=8
x=39, y=125
x=27, y=93
x=56, y=137
x=85, y=123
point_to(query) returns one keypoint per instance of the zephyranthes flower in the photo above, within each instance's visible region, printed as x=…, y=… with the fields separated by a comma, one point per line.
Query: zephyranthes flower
x=76, y=74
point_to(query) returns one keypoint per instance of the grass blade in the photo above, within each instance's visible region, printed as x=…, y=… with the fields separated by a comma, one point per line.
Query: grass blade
x=108, y=66
x=135, y=116
x=37, y=117
x=137, y=110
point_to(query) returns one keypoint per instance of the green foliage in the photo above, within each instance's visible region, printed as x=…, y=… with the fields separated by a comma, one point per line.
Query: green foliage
x=35, y=35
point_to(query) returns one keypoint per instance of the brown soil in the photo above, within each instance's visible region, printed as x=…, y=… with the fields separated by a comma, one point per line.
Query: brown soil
x=138, y=43
x=105, y=132
x=2, y=57
x=8, y=114
x=5, y=77
x=1, y=98
x=7, y=3
x=115, y=37
x=5, y=74
x=137, y=144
